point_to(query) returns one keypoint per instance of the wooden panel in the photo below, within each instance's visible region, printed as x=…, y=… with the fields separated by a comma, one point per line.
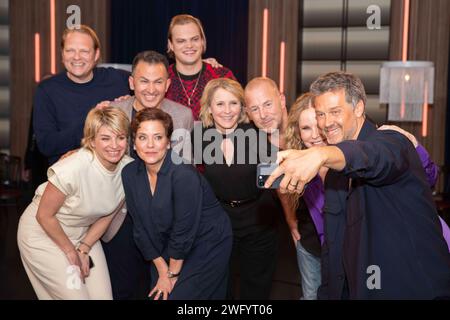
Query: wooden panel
x=429, y=35
x=429, y=40
x=430, y=31
x=395, y=30
x=283, y=26
x=94, y=14
x=255, y=31
x=27, y=18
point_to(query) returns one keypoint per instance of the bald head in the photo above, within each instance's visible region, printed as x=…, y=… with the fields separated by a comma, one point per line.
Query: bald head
x=262, y=82
x=265, y=105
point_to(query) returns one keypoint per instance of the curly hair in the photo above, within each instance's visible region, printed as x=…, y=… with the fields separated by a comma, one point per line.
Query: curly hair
x=293, y=139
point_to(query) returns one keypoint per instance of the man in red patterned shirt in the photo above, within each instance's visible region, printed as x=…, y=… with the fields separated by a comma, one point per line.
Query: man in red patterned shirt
x=189, y=75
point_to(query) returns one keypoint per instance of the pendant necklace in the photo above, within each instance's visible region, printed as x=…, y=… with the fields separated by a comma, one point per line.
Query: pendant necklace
x=184, y=89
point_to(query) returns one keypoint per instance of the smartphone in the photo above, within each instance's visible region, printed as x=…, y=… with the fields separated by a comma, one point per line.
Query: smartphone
x=263, y=171
x=91, y=263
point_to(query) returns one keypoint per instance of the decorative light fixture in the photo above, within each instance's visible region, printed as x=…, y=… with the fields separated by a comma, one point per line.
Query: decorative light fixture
x=282, y=65
x=37, y=57
x=407, y=86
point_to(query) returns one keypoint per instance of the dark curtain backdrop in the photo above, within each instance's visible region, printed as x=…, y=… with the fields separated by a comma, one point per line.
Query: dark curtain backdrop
x=138, y=25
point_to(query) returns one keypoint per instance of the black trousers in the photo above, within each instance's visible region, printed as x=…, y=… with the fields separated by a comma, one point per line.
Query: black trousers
x=129, y=272
x=254, y=258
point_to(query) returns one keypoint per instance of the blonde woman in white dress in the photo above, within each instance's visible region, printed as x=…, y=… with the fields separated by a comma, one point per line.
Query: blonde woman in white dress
x=59, y=231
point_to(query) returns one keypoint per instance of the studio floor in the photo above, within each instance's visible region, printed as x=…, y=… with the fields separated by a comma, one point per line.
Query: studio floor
x=14, y=284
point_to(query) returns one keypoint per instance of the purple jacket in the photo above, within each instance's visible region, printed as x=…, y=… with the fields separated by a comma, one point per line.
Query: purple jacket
x=314, y=195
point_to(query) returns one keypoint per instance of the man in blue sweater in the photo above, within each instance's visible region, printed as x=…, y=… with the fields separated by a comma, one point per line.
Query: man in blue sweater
x=61, y=104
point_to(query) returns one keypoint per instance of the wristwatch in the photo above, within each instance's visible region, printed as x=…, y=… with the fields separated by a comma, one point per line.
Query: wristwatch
x=170, y=274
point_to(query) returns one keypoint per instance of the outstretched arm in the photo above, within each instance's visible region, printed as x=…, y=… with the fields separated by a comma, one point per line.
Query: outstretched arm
x=301, y=166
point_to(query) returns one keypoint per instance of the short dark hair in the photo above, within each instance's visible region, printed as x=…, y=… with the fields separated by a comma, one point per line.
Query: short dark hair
x=150, y=57
x=152, y=114
x=333, y=81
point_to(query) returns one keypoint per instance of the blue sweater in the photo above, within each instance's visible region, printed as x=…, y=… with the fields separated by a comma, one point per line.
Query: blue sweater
x=61, y=107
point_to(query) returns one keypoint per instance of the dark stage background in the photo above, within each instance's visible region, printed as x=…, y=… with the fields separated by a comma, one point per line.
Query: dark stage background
x=138, y=25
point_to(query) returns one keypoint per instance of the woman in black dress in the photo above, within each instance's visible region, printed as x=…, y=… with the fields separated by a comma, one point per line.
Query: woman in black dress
x=228, y=148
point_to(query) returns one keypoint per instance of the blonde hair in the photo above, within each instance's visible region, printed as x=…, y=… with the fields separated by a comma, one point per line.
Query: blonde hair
x=183, y=19
x=293, y=139
x=111, y=117
x=84, y=30
x=229, y=85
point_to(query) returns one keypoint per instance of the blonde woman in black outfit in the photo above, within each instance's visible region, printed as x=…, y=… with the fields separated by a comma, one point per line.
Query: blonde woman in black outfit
x=229, y=156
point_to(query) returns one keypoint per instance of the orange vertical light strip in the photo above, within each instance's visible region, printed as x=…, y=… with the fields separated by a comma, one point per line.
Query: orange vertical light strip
x=425, y=111
x=405, y=31
x=265, y=41
x=37, y=57
x=282, y=65
x=52, y=37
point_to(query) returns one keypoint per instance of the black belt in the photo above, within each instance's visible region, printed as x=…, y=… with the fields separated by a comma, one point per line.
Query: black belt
x=238, y=203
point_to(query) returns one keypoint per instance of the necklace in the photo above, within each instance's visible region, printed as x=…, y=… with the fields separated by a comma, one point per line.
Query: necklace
x=184, y=89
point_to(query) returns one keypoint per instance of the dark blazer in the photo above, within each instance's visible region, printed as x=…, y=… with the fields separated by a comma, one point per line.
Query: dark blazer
x=181, y=220
x=379, y=212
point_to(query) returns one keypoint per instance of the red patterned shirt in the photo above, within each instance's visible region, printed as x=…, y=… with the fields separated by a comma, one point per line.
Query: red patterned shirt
x=183, y=96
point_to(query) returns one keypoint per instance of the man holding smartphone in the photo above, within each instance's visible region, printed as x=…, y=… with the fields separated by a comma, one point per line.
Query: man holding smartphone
x=383, y=236
x=266, y=107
